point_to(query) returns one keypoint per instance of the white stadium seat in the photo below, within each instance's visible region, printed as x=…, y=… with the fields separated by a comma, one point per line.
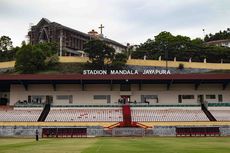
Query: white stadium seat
x=85, y=115
x=168, y=114
x=220, y=113
x=26, y=115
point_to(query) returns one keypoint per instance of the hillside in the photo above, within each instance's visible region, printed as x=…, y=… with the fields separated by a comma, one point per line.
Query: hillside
x=77, y=64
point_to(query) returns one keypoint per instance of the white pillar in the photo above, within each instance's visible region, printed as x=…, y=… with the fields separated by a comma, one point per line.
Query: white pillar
x=174, y=59
x=159, y=58
x=205, y=61
x=130, y=57
x=221, y=61
x=190, y=60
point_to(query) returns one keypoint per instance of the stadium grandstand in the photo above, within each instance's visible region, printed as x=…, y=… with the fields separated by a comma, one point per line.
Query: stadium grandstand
x=78, y=105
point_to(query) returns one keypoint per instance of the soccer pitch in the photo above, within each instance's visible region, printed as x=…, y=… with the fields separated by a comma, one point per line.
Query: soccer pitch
x=117, y=145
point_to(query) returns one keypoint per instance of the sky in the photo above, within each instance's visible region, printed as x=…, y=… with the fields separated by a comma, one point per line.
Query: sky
x=126, y=21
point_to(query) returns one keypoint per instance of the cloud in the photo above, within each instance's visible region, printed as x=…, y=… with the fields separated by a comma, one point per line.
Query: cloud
x=125, y=21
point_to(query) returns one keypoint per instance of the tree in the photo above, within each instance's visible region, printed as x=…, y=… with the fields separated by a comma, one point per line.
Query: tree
x=33, y=58
x=182, y=48
x=23, y=43
x=181, y=43
x=100, y=54
x=29, y=59
x=119, y=61
x=164, y=41
x=5, y=43
x=218, y=36
x=103, y=56
x=7, y=52
x=48, y=48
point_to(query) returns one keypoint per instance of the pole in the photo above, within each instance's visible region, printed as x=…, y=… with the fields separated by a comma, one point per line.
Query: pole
x=203, y=32
x=166, y=59
x=61, y=45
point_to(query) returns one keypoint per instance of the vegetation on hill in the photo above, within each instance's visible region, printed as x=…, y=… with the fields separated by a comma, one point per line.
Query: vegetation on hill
x=218, y=36
x=219, y=71
x=34, y=58
x=103, y=56
x=43, y=57
x=183, y=48
x=59, y=68
x=64, y=68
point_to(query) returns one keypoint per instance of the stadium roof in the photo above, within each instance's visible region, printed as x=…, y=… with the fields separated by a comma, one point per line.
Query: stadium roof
x=54, y=79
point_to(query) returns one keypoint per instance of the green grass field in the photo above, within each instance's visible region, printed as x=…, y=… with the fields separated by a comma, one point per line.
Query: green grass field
x=117, y=145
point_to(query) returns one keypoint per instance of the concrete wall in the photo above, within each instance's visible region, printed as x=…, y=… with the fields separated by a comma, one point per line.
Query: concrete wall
x=17, y=92
x=164, y=131
x=225, y=130
x=20, y=131
x=9, y=64
x=96, y=132
x=140, y=62
x=175, y=64
x=128, y=132
x=29, y=131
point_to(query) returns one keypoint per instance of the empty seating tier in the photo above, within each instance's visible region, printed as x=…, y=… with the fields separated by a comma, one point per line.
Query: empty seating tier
x=220, y=113
x=168, y=114
x=24, y=115
x=85, y=115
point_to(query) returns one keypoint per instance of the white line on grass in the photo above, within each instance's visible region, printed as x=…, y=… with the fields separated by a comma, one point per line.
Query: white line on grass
x=98, y=149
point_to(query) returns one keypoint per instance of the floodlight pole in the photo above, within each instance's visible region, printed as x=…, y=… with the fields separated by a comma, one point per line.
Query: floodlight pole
x=61, y=41
x=166, y=57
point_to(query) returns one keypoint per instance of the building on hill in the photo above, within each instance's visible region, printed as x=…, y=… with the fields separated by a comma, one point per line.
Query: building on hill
x=221, y=43
x=70, y=41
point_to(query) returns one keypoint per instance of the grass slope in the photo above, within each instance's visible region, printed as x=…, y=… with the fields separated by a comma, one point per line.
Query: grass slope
x=61, y=68
x=117, y=145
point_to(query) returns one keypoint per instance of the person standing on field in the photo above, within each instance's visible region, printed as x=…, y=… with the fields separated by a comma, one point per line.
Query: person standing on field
x=36, y=133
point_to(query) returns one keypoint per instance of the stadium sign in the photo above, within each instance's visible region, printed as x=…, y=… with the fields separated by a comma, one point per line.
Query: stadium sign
x=125, y=72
